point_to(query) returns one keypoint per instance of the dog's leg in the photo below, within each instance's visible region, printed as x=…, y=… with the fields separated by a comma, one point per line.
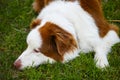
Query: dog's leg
x=101, y=57
x=104, y=48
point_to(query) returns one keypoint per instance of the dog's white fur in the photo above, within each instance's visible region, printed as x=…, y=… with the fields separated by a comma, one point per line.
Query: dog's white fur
x=71, y=17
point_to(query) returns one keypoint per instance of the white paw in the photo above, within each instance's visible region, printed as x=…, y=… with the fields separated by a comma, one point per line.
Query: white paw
x=101, y=61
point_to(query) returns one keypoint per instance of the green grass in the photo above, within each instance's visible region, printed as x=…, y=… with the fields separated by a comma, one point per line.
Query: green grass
x=15, y=17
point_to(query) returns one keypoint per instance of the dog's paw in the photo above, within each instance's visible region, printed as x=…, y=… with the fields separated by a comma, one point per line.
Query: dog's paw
x=101, y=61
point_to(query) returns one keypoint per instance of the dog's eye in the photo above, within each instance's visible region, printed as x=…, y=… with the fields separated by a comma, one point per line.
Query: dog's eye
x=36, y=50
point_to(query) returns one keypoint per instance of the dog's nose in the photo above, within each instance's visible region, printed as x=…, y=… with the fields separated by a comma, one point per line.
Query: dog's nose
x=17, y=64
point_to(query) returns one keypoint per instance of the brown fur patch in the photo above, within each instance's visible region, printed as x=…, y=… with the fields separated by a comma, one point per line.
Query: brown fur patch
x=34, y=23
x=93, y=7
x=114, y=27
x=56, y=41
x=46, y=2
x=38, y=5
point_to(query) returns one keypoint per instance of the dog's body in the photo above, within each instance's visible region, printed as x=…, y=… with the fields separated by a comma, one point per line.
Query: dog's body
x=63, y=29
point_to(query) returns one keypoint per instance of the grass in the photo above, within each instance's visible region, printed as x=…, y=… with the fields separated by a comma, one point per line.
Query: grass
x=15, y=17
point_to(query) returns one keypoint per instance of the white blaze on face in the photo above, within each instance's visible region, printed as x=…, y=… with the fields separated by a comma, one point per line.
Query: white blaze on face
x=32, y=57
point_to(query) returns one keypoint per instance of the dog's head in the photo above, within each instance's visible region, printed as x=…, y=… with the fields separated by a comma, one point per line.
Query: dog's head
x=47, y=42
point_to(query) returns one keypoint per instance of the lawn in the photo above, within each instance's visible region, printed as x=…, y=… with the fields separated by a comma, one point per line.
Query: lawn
x=15, y=17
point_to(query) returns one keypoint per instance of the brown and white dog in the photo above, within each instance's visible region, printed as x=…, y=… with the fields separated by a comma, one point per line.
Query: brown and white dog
x=63, y=29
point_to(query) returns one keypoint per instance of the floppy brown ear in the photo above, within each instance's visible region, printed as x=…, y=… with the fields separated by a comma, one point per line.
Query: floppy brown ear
x=65, y=43
x=34, y=23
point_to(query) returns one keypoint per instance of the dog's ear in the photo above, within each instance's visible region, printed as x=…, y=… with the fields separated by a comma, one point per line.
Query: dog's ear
x=34, y=23
x=65, y=42
x=56, y=41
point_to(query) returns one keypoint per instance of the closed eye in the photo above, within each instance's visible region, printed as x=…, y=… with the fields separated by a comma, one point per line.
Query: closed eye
x=37, y=51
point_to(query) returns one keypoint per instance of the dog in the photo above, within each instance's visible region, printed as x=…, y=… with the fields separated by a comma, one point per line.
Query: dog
x=63, y=29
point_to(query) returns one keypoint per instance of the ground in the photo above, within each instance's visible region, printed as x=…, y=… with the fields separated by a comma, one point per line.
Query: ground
x=15, y=17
